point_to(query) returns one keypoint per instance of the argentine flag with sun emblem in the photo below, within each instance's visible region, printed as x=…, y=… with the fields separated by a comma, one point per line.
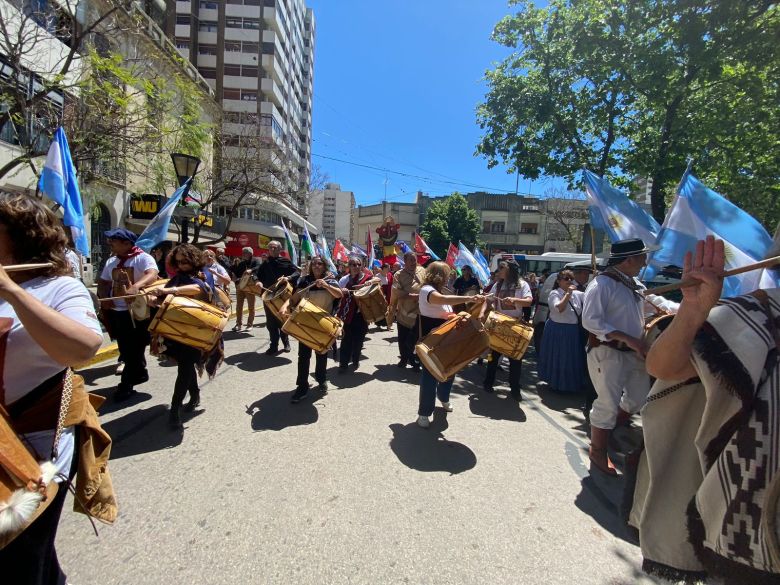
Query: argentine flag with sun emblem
x=697, y=212
x=613, y=212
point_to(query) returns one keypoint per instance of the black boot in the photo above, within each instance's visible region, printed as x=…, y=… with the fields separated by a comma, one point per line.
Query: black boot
x=174, y=419
x=194, y=401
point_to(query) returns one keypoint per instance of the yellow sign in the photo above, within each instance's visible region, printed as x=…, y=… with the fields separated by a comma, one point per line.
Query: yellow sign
x=141, y=206
x=206, y=220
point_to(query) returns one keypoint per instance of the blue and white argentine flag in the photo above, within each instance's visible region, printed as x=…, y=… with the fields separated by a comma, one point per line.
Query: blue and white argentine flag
x=612, y=211
x=697, y=212
x=157, y=230
x=59, y=183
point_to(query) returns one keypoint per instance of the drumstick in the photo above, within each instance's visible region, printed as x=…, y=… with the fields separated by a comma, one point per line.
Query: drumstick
x=18, y=267
x=685, y=282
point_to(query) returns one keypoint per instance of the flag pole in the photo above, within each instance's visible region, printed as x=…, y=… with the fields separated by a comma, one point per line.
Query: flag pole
x=592, y=248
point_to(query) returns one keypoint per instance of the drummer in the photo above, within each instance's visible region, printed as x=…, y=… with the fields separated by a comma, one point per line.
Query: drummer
x=125, y=272
x=613, y=312
x=435, y=309
x=247, y=265
x=268, y=273
x=320, y=288
x=187, y=260
x=511, y=294
x=406, y=286
x=466, y=283
x=355, y=326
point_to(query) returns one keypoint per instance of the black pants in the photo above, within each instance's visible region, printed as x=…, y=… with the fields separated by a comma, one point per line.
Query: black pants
x=304, y=361
x=352, y=340
x=407, y=337
x=31, y=559
x=274, y=327
x=187, y=376
x=515, y=369
x=132, y=340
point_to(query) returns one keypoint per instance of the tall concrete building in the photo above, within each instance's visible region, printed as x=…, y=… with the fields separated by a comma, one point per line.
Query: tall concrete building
x=330, y=209
x=258, y=55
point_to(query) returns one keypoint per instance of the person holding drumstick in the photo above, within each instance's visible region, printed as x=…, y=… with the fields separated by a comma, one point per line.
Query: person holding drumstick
x=614, y=308
x=188, y=260
x=511, y=294
x=320, y=288
x=47, y=325
x=435, y=309
x=247, y=265
x=268, y=273
x=355, y=326
x=125, y=273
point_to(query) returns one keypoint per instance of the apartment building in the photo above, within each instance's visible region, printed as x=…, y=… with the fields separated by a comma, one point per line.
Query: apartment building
x=370, y=217
x=258, y=56
x=330, y=209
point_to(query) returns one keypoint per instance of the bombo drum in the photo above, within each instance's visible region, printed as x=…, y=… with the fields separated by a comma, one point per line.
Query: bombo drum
x=372, y=303
x=139, y=306
x=189, y=321
x=313, y=327
x=452, y=346
x=654, y=327
x=508, y=336
x=277, y=295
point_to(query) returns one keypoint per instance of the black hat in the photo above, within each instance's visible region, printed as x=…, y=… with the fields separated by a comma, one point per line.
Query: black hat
x=623, y=249
x=121, y=234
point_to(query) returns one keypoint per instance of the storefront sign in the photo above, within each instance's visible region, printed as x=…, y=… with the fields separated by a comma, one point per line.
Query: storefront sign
x=145, y=206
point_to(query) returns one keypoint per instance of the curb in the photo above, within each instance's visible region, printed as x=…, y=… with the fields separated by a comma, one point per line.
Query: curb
x=111, y=351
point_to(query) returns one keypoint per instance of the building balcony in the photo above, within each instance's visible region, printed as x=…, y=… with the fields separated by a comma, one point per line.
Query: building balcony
x=183, y=7
x=241, y=34
x=270, y=90
x=239, y=105
x=236, y=82
x=208, y=14
x=236, y=58
x=242, y=10
x=207, y=61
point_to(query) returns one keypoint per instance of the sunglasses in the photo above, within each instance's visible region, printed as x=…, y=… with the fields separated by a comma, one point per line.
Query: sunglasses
x=314, y=262
x=565, y=278
x=354, y=263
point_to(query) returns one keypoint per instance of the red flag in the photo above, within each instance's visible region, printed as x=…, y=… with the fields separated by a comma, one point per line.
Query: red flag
x=452, y=255
x=422, y=248
x=340, y=252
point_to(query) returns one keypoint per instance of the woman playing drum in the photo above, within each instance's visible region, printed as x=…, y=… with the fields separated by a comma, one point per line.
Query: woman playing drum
x=47, y=323
x=355, y=326
x=187, y=260
x=435, y=309
x=512, y=294
x=319, y=287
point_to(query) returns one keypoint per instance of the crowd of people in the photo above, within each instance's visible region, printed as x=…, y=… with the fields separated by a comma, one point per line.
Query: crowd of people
x=594, y=343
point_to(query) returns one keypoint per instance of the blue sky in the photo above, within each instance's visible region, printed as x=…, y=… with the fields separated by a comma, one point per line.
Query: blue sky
x=396, y=86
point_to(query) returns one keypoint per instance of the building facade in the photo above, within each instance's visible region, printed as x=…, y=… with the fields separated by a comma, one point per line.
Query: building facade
x=370, y=217
x=330, y=209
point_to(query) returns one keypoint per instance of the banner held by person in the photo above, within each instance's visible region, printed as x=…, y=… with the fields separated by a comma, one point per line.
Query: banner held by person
x=157, y=230
x=465, y=258
x=290, y=245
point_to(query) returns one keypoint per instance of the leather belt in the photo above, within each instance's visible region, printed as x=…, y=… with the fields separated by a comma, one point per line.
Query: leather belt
x=594, y=341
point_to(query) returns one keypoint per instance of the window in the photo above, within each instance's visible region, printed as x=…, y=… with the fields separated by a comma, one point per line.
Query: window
x=485, y=227
x=251, y=48
x=233, y=70
x=207, y=26
x=250, y=96
x=208, y=5
x=232, y=47
x=252, y=23
x=248, y=71
x=232, y=117
x=529, y=228
x=497, y=227
x=269, y=49
x=208, y=72
x=231, y=94
x=182, y=43
x=207, y=49
x=182, y=19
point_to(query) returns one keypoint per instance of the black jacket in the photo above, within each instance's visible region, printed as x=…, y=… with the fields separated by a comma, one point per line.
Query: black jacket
x=238, y=270
x=273, y=268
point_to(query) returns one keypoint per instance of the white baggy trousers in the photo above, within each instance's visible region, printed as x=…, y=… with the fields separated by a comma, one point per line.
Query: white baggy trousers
x=620, y=380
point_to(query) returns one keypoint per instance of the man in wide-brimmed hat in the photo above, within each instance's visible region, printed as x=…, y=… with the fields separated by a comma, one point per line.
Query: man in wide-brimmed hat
x=614, y=315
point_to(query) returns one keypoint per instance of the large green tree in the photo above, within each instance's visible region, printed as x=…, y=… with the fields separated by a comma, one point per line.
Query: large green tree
x=635, y=89
x=450, y=219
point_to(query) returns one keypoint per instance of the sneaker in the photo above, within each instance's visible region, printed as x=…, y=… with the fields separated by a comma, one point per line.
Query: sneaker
x=415, y=367
x=423, y=421
x=237, y=327
x=401, y=364
x=299, y=394
x=323, y=388
x=192, y=404
x=248, y=327
x=286, y=348
x=446, y=406
x=272, y=351
x=120, y=367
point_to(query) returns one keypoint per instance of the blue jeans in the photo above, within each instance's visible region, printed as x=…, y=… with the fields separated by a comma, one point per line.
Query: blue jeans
x=430, y=388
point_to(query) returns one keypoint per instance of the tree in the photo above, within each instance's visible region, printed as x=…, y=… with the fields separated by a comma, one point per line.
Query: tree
x=635, y=88
x=567, y=215
x=450, y=219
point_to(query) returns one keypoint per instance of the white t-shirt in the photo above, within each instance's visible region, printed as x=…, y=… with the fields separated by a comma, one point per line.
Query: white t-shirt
x=74, y=262
x=27, y=365
x=430, y=310
x=568, y=315
x=522, y=291
x=219, y=269
x=135, y=268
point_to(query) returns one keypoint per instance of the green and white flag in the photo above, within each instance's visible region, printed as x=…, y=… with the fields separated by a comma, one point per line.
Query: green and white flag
x=290, y=245
x=307, y=245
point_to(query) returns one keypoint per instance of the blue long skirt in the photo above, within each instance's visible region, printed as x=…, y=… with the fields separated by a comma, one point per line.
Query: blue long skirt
x=562, y=359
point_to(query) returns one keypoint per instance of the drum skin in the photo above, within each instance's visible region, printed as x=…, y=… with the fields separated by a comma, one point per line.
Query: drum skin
x=313, y=327
x=372, y=302
x=139, y=307
x=277, y=295
x=654, y=326
x=247, y=284
x=189, y=321
x=452, y=346
x=508, y=336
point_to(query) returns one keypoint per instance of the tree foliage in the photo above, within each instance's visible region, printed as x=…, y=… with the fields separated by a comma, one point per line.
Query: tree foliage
x=636, y=88
x=450, y=219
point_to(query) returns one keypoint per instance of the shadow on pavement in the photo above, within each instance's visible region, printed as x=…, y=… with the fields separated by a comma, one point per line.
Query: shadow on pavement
x=496, y=406
x=348, y=379
x=128, y=441
x=560, y=401
x=92, y=375
x=428, y=450
x=275, y=412
x=230, y=335
x=110, y=405
x=392, y=373
x=251, y=361
x=600, y=498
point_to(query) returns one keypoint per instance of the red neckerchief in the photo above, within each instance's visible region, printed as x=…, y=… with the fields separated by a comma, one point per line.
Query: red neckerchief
x=348, y=306
x=134, y=251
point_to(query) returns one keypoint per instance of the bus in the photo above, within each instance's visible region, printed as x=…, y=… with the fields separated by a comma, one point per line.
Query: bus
x=549, y=261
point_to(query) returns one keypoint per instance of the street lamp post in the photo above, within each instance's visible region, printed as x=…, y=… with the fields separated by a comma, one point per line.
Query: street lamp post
x=186, y=166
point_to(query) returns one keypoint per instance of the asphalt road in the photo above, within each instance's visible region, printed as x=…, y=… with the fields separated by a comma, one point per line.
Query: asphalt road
x=347, y=488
